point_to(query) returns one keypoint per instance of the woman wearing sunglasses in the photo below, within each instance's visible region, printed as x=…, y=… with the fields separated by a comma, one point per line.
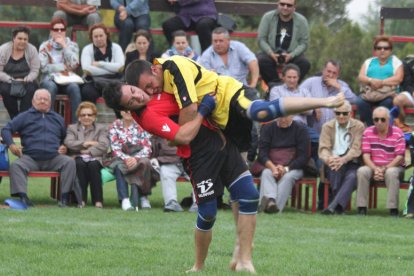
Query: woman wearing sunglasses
x=382, y=72
x=59, y=56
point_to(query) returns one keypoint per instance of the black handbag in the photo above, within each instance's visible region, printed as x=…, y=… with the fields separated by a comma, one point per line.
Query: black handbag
x=17, y=89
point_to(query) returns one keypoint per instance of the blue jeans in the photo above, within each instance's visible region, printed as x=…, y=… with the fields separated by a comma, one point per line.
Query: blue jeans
x=365, y=109
x=72, y=90
x=121, y=185
x=129, y=26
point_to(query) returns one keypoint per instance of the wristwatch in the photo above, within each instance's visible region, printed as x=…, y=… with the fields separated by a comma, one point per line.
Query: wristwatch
x=286, y=169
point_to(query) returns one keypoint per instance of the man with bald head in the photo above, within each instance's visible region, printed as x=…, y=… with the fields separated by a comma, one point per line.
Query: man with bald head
x=383, y=149
x=42, y=132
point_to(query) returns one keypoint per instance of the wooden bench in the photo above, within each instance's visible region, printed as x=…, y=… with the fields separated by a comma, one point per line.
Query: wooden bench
x=54, y=180
x=373, y=191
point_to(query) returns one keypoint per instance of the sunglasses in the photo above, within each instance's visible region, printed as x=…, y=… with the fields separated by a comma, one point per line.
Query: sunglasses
x=338, y=113
x=286, y=5
x=87, y=115
x=58, y=29
x=379, y=119
x=385, y=48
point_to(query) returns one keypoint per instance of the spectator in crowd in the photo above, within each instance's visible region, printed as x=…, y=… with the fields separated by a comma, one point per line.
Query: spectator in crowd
x=19, y=68
x=340, y=148
x=180, y=46
x=284, y=151
x=130, y=16
x=230, y=58
x=42, y=132
x=383, y=71
x=326, y=85
x=60, y=56
x=198, y=16
x=283, y=37
x=87, y=141
x=78, y=12
x=290, y=88
x=142, y=41
x=170, y=168
x=383, y=150
x=131, y=149
x=102, y=61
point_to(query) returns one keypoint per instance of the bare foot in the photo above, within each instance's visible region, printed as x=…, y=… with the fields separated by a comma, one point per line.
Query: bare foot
x=336, y=101
x=245, y=267
x=194, y=269
x=233, y=261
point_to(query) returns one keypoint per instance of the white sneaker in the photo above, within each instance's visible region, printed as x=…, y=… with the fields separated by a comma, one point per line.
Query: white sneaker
x=193, y=208
x=126, y=205
x=145, y=204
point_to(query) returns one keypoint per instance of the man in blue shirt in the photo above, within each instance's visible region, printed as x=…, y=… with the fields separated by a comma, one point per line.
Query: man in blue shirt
x=42, y=133
x=230, y=58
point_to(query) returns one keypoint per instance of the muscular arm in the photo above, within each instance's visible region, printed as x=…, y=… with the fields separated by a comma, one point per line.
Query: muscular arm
x=187, y=114
x=189, y=130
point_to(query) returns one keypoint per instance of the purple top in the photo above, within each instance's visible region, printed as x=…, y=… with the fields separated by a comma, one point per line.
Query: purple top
x=192, y=11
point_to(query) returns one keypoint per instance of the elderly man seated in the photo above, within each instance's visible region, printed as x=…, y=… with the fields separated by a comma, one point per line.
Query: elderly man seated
x=383, y=149
x=340, y=148
x=42, y=132
x=284, y=151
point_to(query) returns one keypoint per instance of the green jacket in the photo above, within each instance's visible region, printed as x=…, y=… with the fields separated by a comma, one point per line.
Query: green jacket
x=267, y=33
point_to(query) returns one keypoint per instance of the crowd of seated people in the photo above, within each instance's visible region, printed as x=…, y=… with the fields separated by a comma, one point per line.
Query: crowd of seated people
x=283, y=40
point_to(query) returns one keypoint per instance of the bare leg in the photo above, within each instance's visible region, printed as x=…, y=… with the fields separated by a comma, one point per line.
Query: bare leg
x=202, y=241
x=246, y=227
x=266, y=111
x=402, y=102
x=242, y=253
x=292, y=105
x=233, y=262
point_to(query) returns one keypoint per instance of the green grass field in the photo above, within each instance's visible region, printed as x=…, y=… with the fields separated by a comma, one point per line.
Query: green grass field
x=47, y=240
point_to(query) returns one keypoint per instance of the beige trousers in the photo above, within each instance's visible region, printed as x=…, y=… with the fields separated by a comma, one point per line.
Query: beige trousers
x=392, y=181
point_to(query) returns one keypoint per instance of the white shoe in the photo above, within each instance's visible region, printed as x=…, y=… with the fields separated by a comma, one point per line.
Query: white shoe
x=126, y=205
x=145, y=204
x=193, y=208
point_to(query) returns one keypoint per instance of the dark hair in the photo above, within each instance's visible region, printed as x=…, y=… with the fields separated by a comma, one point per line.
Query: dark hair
x=20, y=29
x=178, y=33
x=112, y=94
x=99, y=26
x=143, y=33
x=334, y=62
x=135, y=69
x=57, y=20
x=384, y=38
x=290, y=66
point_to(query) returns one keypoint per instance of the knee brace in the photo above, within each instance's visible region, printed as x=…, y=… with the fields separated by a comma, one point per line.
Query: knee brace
x=206, y=215
x=243, y=191
x=264, y=111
